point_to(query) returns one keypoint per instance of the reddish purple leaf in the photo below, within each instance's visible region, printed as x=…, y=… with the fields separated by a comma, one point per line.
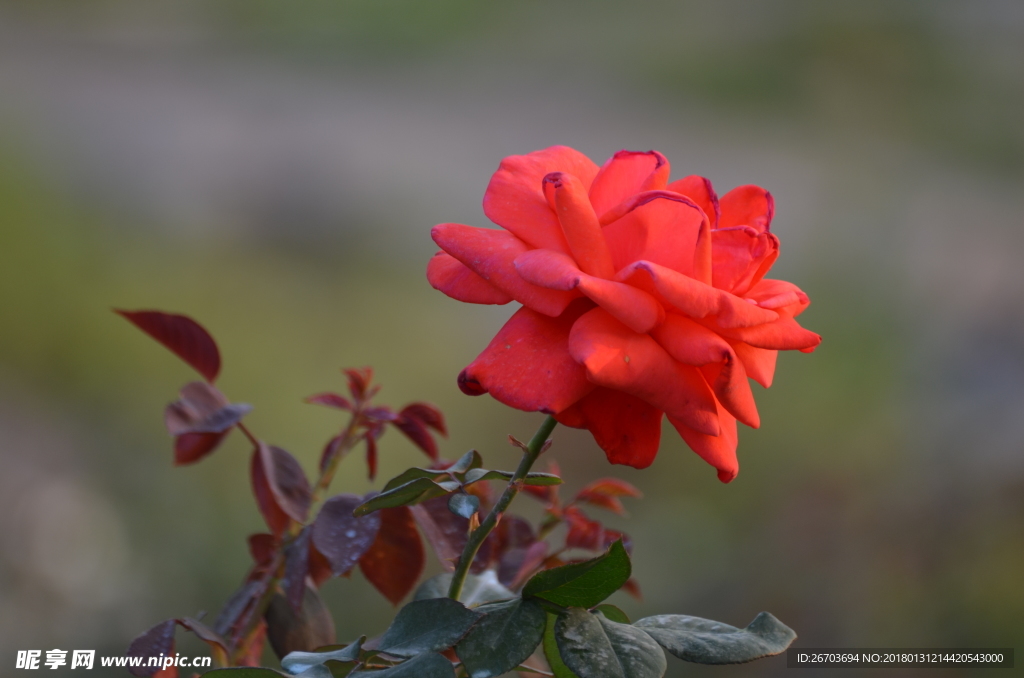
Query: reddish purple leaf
x=217, y=644
x=359, y=381
x=330, y=400
x=446, y=533
x=605, y=493
x=216, y=422
x=202, y=409
x=183, y=336
x=381, y=413
x=395, y=560
x=191, y=447
x=277, y=520
x=152, y=643
x=262, y=547
x=296, y=567
x=612, y=487
x=287, y=481
x=516, y=538
x=200, y=420
x=531, y=562
x=416, y=431
x=299, y=631
x=584, y=533
x=198, y=400
x=632, y=587
x=428, y=414
x=236, y=605
x=248, y=616
x=341, y=537
x=591, y=535
x=604, y=501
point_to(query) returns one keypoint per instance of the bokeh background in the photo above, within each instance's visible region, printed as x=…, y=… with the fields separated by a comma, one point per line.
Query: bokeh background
x=273, y=169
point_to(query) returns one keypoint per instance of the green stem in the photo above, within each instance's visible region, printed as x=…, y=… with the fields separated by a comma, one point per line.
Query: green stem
x=477, y=537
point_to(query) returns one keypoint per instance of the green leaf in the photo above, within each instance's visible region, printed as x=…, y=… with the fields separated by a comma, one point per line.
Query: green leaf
x=613, y=613
x=297, y=662
x=704, y=641
x=428, y=665
x=595, y=647
x=541, y=479
x=558, y=667
x=427, y=626
x=411, y=474
x=476, y=590
x=244, y=672
x=464, y=505
x=582, y=584
x=504, y=638
x=470, y=460
x=412, y=492
x=478, y=474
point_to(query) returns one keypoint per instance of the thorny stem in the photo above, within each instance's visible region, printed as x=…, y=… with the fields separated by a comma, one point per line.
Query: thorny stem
x=477, y=537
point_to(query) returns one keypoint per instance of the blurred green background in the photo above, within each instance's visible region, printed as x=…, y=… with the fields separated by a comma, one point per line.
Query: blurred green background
x=273, y=169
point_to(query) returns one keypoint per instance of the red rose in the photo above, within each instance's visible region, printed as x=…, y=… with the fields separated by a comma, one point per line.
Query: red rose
x=640, y=298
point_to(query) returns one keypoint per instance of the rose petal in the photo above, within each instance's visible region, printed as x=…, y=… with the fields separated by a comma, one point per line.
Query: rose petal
x=783, y=297
x=695, y=298
x=720, y=450
x=527, y=365
x=693, y=344
x=633, y=307
x=579, y=224
x=489, y=253
x=657, y=226
x=740, y=257
x=785, y=334
x=515, y=198
x=729, y=382
x=553, y=270
x=759, y=362
x=451, y=276
x=626, y=173
x=699, y=190
x=747, y=206
x=550, y=269
x=620, y=359
x=690, y=342
x=626, y=428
